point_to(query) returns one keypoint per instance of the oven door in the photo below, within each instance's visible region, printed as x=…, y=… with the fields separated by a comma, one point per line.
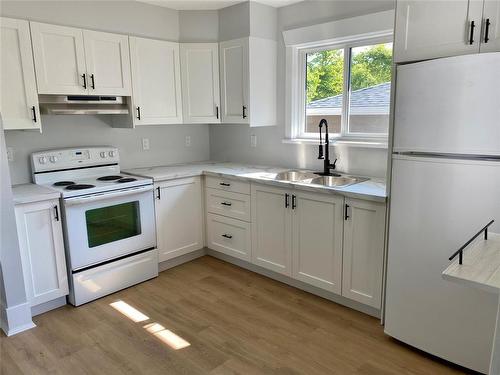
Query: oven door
x=105, y=226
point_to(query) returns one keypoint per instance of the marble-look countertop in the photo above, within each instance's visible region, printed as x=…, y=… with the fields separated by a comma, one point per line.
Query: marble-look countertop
x=29, y=193
x=373, y=189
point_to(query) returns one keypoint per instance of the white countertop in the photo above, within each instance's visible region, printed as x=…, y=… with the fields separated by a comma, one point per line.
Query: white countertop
x=373, y=189
x=481, y=265
x=29, y=193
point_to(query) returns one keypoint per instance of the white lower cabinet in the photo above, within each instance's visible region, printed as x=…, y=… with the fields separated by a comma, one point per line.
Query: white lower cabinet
x=271, y=229
x=317, y=223
x=229, y=236
x=42, y=251
x=179, y=217
x=364, y=233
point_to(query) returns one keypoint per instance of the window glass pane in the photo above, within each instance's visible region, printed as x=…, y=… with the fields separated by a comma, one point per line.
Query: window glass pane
x=112, y=223
x=324, y=88
x=370, y=89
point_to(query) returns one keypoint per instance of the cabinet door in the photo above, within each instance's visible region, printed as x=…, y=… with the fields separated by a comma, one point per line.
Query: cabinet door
x=42, y=251
x=317, y=240
x=59, y=59
x=431, y=29
x=108, y=63
x=179, y=217
x=364, y=232
x=200, y=82
x=234, y=81
x=492, y=16
x=271, y=229
x=18, y=95
x=156, y=82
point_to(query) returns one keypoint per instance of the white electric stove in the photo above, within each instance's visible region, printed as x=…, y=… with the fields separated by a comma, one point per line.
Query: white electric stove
x=108, y=218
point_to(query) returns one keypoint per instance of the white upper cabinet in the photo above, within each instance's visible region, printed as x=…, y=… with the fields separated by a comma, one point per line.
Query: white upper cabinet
x=42, y=251
x=363, y=264
x=248, y=81
x=71, y=61
x=317, y=240
x=432, y=29
x=18, y=95
x=234, y=81
x=491, y=26
x=59, y=59
x=156, y=82
x=200, y=82
x=108, y=63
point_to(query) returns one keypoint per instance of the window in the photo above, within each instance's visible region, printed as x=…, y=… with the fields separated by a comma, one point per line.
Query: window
x=349, y=85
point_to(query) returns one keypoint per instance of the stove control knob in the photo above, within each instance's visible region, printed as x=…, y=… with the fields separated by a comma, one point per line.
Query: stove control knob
x=42, y=160
x=112, y=154
x=104, y=154
x=53, y=159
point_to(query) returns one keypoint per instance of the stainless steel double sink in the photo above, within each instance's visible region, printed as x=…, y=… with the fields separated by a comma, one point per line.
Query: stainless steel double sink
x=336, y=180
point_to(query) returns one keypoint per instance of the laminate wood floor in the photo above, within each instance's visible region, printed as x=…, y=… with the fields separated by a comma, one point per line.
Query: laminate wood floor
x=235, y=321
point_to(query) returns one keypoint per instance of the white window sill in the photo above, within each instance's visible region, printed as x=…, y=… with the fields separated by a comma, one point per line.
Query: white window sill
x=372, y=143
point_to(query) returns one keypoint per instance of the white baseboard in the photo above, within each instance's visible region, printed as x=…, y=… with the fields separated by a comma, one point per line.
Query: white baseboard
x=163, y=266
x=17, y=319
x=47, y=306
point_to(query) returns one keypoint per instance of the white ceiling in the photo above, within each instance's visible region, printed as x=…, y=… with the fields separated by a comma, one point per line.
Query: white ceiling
x=211, y=4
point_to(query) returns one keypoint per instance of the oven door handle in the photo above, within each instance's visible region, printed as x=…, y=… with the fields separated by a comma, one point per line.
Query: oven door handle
x=107, y=195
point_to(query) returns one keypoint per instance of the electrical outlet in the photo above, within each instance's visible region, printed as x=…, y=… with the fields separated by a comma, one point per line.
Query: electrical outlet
x=188, y=141
x=253, y=140
x=145, y=144
x=10, y=154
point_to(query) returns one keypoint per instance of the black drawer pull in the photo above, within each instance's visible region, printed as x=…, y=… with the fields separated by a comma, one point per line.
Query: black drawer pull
x=227, y=236
x=159, y=193
x=56, y=209
x=294, y=201
x=287, y=200
x=84, y=76
x=244, y=110
x=346, y=212
x=224, y=184
x=227, y=204
x=487, y=31
x=217, y=111
x=33, y=109
x=138, y=113
x=472, y=27
x=93, y=81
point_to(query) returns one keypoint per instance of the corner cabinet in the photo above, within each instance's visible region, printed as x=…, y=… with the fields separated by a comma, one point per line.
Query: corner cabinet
x=363, y=264
x=248, y=81
x=200, y=82
x=42, y=251
x=18, y=93
x=179, y=217
x=72, y=61
x=432, y=29
x=156, y=82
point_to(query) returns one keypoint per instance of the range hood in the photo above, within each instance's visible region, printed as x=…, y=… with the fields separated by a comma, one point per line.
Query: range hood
x=82, y=105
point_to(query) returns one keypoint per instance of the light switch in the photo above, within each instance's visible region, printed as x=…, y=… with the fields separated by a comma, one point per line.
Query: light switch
x=253, y=140
x=10, y=154
x=188, y=141
x=145, y=144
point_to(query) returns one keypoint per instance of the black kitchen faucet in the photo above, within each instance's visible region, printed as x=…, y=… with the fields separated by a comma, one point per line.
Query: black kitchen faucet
x=325, y=156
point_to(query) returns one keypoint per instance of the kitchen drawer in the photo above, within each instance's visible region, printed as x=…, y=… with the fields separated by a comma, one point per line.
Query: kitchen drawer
x=228, y=185
x=227, y=203
x=229, y=236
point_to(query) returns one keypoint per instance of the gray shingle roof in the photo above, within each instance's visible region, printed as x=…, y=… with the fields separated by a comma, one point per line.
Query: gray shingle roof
x=370, y=97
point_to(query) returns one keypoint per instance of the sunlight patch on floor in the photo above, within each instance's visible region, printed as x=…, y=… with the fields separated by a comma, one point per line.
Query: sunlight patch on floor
x=168, y=337
x=130, y=312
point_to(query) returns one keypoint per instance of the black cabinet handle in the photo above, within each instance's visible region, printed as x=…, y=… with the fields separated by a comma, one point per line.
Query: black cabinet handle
x=294, y=201
x=56, y=209
x=227, y=236
x=159, y=193
x=84, y=76
x=93, y=81
x=224, y=184
x=217, y=111
x=244, y=112
x=226, y=204
x=33, y=109
x=138, y=113
x=346, y=212
x=487, y=31
x=472, y=27
x=287, y=200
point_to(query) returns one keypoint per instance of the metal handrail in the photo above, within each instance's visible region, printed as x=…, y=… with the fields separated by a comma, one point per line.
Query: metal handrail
x=460, y=251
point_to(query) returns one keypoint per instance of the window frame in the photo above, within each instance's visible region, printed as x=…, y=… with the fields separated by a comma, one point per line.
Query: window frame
x=297, y=73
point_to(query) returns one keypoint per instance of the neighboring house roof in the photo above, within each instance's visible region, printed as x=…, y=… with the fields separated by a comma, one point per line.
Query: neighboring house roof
x=370, y=100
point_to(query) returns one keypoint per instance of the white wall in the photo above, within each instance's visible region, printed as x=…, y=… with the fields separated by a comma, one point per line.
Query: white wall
x=232, y=142
x=167, y=142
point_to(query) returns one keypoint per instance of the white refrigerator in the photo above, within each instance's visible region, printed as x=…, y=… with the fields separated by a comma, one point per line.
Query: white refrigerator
x=445, y=187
